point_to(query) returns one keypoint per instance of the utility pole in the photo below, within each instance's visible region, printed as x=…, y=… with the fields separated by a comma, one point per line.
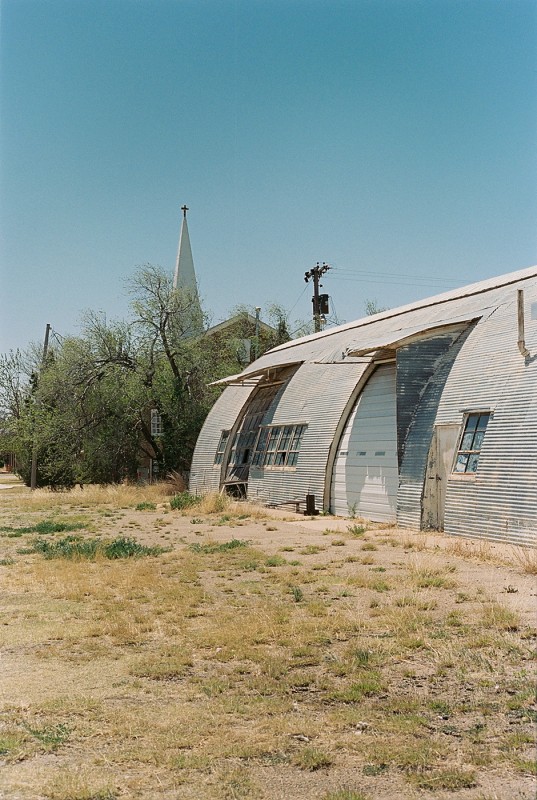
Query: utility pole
x=257, y=313
x=316, y=274
x=33, y=474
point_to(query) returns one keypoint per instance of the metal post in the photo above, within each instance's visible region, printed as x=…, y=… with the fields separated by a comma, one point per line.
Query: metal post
x=520, y=317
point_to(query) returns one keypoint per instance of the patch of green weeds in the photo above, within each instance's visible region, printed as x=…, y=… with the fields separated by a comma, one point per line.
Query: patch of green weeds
x=311, y=759
x=344, y=794
x=380, y=586
x=10, y=743
x=185, y=500
x=356, y=530
x=45, y=526
x=145, y=506
x=311, y=550
x=441, y=707
x=368, y=685
x=50, y=736
x=449, y=779
x=361, y=657
x=275, y=561
x=250, y=566
x=298, y=594
x=213, y=547
x=75, y=548
x=374, y=769
x=526, y=765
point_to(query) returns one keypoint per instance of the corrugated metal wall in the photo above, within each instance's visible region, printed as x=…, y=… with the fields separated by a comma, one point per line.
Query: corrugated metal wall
x=316, y=395
x=204, y=473
x=488, y=371
x=499, y=502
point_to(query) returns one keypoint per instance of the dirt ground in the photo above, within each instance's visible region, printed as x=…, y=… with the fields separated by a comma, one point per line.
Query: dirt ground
x=318, y=658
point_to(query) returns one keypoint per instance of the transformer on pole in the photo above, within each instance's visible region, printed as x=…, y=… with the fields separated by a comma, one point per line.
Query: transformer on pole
x=320, y=302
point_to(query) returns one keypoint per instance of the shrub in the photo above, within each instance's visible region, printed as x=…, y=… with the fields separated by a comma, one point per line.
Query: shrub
x=356, y=530
x=185, y=500
x=298, y=594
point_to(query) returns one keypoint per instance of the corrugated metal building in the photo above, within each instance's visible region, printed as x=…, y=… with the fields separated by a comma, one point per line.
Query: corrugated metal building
x=425, y=415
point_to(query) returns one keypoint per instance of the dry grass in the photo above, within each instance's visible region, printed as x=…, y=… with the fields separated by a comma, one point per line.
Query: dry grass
x=222, y=671
x=117, y=495
x=526, y=559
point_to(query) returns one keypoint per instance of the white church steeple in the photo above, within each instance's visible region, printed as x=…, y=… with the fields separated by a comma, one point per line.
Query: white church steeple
x=184, y=278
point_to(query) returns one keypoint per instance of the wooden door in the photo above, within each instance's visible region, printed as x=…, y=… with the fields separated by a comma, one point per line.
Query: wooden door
x=439, y=465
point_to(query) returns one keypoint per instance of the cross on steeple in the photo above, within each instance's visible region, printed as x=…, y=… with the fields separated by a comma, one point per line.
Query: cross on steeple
x=184, y=209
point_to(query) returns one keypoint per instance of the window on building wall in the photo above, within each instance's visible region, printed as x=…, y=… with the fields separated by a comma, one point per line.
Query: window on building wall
x=471, y=442
x=278, y=446
x=157, y=428
x=221, y=447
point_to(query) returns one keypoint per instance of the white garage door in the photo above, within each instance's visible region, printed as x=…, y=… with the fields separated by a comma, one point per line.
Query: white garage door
x=365, y=475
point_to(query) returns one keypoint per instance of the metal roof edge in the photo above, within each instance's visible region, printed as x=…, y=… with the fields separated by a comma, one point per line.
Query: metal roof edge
x=394, y=342
x=489, y=284
x=241, y=377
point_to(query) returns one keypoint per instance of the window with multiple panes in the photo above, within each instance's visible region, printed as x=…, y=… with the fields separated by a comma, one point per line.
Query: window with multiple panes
x=471, y=442
x=221, y=447
x=278, y=445
x=243, y=445
x=157, y=428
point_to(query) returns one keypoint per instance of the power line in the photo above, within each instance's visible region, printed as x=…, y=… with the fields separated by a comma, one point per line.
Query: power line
x=384, y=279
x=344, y=273
x=57, y=336
x=298, y=299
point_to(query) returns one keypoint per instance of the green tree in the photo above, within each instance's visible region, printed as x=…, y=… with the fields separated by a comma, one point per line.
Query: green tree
x=87, y=411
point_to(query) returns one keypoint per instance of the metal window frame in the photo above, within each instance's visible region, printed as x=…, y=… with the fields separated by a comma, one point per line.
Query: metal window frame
x=221, y=447
x=266, y=437
x=468, y=413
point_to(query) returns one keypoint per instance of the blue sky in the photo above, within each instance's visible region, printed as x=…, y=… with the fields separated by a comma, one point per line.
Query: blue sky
x=393, y=139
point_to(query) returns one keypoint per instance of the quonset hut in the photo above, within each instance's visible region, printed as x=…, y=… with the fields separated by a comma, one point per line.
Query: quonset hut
x=425, y=415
